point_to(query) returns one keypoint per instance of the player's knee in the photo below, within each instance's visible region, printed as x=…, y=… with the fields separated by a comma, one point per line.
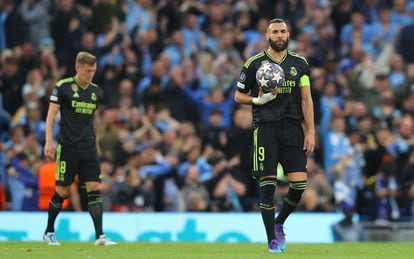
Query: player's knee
x=267, y=192
x=92, y=186
x=62, y=191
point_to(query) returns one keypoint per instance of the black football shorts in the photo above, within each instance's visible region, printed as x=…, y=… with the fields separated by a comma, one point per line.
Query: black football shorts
x=278, y=142
x=70, y=163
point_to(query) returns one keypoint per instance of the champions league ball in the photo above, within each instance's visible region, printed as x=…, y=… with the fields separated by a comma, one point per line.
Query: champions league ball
x=270, y=76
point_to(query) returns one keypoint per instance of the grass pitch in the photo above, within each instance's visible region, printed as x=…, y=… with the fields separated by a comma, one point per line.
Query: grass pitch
x=17, y=250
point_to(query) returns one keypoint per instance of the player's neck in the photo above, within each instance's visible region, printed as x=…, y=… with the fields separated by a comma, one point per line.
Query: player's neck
x=277, y=56
x=81, y=83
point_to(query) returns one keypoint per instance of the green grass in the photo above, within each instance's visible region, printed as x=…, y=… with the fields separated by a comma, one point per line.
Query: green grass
x=17, y=250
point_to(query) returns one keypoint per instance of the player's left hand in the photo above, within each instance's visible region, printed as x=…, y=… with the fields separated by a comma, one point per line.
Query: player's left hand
x=309, y=143
x=49, y=151
x=264, y=98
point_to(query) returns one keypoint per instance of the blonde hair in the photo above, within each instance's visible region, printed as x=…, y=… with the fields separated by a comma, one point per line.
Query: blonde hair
x=84, y=57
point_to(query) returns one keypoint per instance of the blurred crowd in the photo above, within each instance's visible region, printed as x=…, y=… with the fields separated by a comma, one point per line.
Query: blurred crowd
x=171, y=136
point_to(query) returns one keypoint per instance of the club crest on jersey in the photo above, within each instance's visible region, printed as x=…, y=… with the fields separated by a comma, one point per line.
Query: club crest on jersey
x=293, y=71
x=75, y=89
x=93, y=97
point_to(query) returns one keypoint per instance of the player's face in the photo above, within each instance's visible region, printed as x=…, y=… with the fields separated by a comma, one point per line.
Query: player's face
x=278, y=36
x=85, y=73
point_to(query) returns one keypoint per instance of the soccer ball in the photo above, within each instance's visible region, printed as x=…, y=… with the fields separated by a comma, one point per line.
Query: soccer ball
x=270, y=76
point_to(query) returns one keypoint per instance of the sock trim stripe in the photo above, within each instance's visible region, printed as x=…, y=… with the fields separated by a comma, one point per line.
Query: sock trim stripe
x=301, y=188
x=94, y=202
x=56, y=205
x=290, y=202
x=94, y=195
x=298, y=185
x=266, y=206
x=264, y=183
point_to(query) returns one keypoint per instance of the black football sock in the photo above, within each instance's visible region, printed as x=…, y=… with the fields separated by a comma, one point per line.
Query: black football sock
x=267, y=206
x=55, y=206
x=95, y=208
x=291, y=200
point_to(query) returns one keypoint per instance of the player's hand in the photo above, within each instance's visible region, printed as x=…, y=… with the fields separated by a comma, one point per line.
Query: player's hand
x=309, y=143
x=264, y=98
x=49, y=151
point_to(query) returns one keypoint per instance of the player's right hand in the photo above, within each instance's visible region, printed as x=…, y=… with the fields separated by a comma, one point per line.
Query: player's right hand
x=49, y=151
x=264, y=98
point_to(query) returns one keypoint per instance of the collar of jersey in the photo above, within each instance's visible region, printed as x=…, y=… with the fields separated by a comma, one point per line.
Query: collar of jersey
x=278, y=62
x=83, y=87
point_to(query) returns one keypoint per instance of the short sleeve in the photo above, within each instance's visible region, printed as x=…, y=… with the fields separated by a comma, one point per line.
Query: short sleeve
x=55, y=97
x=246, y=80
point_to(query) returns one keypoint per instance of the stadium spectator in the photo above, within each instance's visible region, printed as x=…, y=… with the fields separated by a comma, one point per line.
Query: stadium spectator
x=172, y=196
x=36, y=17
x=386, y=190
x=319, y=194
x=194, y=157
x=387, y=112
x=385, y=30
x=110, y=86
x=194, y=194
x=216, y=100
x=67, y=25
x=335, y=143
x=107, y=171
x=32, y=121
x=397, y=74
x=130, y=191
x=213, y=134
x=399, y=13
x=356, y=27
x=12, y=79
x=12, y=26
x=370, y=9
x=175, y=98
x=22, y=176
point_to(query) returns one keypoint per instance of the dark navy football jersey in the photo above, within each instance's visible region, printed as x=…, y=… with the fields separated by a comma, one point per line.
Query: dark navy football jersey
x=77, y=107
x=287, y=104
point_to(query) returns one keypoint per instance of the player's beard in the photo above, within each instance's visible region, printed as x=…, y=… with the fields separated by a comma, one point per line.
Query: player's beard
x=278, y=46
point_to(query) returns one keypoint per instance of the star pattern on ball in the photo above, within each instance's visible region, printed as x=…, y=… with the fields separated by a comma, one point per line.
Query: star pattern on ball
x=277, y=76
x=270, y=76
x=263, y=81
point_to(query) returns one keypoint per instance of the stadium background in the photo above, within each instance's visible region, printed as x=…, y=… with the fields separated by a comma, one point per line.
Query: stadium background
x=173, y=139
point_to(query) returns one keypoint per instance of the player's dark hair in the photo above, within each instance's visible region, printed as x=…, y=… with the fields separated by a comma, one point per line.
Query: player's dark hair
x=84, y=57
x=276, y=20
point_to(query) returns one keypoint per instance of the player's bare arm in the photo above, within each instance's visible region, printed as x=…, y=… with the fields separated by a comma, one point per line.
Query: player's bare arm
x=242, y=98
x=307, y=109
x=97, y=131
x=49, y=149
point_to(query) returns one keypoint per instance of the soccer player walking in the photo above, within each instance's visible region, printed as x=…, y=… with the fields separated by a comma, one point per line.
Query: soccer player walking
x=283, y=124
x=76, y=153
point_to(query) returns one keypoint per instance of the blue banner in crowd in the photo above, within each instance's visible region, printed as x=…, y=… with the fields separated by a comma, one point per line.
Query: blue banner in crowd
x=167, y=227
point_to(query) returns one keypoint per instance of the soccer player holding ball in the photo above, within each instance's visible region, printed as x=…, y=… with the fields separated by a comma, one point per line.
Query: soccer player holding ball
x=283, y=124
x=76, y=153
